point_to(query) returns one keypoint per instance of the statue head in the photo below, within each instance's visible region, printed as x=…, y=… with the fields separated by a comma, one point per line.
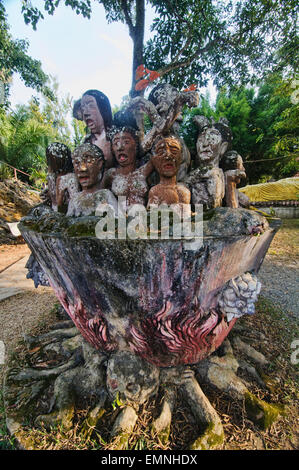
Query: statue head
x=214, y=138
x=125, y=146
x=95, y=110
x=167, y=155
x=88, y=161
x=130, y=378
x=162, y=96
x=59, y=158
x=232, y=161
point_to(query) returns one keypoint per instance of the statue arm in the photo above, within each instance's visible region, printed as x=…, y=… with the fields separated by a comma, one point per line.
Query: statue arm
x=60, y=192
x=148, y=168
x=107, y=179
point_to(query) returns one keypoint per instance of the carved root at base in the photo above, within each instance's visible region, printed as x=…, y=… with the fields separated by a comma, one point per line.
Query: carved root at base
x=125, y=380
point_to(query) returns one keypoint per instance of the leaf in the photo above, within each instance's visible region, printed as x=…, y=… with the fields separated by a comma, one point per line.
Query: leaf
x=142, y=84
x=192, y=87
x=140, y=72
x=153, y=75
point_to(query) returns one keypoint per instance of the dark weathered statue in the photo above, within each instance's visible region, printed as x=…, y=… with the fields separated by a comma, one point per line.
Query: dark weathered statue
x=127, y=179
x=95, y=110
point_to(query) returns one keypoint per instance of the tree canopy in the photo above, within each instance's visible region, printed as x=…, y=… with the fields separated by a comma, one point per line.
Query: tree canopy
x=13, y=58
x=26, y=131
x=264, y=124
x=192, y=40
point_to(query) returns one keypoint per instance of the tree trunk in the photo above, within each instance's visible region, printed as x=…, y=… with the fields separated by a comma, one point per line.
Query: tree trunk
x=138, y=39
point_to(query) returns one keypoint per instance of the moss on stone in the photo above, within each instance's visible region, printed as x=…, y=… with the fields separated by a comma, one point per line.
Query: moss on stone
x=163, y=435
x=25, y=440
x=261, y=413
x=210, y=439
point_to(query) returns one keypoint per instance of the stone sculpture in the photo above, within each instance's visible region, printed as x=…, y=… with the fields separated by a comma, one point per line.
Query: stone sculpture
x=127, y=179
x=62, y=185
x=206, y=181
x=166, y=159
x=60, y=166
x=163, y=97
x=149, y=310
x=163, y=116
x=234, y=171
x=95, y=110
x=88, y=161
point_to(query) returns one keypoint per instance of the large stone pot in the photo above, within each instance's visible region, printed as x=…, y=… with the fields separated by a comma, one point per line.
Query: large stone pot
x=155, y=298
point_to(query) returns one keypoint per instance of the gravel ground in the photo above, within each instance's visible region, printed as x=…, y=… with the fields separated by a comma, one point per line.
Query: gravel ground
x=280, y=283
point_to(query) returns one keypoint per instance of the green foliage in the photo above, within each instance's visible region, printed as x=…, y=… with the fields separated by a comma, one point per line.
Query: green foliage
x=23, y=139
x=13, y=58
x=193, y=40
x=26, y=132
x=264, y=124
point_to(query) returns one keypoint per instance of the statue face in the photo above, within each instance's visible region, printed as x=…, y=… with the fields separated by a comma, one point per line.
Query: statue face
x=91, y=114
x=165, y=96
x=87, y=167
x=124, y=148
x=167, y=157
x=210, y=146
x=131, y=378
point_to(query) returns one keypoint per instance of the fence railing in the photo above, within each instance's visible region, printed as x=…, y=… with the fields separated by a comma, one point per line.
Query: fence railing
x=16, y=174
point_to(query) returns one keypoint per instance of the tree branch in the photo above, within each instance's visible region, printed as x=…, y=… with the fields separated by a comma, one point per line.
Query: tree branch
x=126, y=12
x=184, y=63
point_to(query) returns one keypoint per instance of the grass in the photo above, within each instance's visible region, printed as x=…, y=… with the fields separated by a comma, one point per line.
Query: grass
x=6, y=441
x=285, y=245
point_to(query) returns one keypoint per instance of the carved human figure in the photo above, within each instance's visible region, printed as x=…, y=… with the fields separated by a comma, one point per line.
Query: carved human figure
x=127, y=179
x=88, y=161
x=206, y=182
x=234, y=171
x=163, y=96
x=60, y=174
x=163, y=111
x=167, y=157
x=95, y=110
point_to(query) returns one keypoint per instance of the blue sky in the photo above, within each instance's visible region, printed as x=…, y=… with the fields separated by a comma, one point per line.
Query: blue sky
x=81, y=53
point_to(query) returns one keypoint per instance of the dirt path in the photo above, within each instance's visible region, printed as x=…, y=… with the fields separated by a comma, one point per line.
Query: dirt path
x=9, y=254
x=280, y=283
x=26, y=311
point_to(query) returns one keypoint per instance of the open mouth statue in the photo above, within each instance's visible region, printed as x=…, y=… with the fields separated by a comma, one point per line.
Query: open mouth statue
x=149, y=309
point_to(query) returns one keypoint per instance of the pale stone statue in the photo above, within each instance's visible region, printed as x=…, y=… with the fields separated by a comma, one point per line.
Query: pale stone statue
x=88, y=161
x=163, y=116
x=206, y=181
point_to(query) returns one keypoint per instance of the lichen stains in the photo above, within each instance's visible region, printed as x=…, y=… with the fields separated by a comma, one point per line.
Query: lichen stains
x=209, y=440
x=261, y=413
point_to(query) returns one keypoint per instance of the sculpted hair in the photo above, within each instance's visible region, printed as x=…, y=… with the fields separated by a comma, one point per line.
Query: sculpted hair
x=59, y=158
x=98, y=153
x=130, y=130
x=152, y=96
x=103, y=105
